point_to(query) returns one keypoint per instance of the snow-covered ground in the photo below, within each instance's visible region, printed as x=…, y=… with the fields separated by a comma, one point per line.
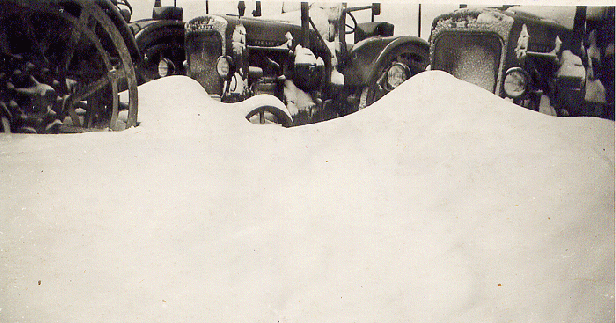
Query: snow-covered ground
x=439, y=203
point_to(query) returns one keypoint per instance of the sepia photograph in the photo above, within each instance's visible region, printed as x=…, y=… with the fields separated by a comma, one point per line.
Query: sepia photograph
x=291, y=161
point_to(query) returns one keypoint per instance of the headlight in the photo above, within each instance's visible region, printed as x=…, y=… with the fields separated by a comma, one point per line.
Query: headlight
x=516, y=82
x=222, y=66
x=396, y=75
x=165, y=67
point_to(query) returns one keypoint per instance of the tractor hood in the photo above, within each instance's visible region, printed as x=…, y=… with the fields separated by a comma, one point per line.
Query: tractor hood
x=259, y=32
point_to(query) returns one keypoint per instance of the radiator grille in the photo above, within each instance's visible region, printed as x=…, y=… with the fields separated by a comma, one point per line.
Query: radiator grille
x=203, y=49
x=473, y=57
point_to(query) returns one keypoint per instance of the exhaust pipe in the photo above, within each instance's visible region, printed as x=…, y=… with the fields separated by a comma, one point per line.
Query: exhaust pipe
x=305, y=25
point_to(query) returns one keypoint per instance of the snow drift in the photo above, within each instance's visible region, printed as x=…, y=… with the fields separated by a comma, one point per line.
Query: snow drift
x=439, y=203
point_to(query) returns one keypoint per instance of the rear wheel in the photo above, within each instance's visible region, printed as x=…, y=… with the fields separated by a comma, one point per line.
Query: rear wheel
x=63, y=65
x=398, y=66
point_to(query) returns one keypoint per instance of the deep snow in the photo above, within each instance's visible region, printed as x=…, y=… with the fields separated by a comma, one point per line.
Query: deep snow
x=439, y=203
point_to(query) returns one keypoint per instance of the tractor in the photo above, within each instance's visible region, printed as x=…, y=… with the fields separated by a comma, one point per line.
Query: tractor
x=302, y=58
x=516, y=53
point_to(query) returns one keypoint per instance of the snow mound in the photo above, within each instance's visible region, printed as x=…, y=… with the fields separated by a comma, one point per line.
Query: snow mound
x=179, y=104
x=172, y=103
x=439, y=203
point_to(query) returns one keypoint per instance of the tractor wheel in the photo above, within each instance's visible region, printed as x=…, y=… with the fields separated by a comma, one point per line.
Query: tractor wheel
x=63, y=64
x=403, y=58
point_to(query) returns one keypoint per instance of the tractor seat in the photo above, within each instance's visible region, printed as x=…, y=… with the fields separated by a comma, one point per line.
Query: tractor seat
x=168, y=13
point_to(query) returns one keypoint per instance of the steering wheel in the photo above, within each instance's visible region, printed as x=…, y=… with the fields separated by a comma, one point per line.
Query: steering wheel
x=125, y=4
x=351, y=28
x=270, y=114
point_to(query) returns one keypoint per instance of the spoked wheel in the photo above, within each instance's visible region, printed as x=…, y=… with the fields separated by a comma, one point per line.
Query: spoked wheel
x=63, y=65
x=397, y=67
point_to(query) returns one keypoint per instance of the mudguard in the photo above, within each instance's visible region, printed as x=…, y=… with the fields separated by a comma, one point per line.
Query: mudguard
x=368, y=54
x=151, y=36
x=118, y=20
x=148, y=32
x=144, y=29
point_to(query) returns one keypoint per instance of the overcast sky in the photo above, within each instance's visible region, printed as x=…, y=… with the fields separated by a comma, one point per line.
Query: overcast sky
x=403, y=14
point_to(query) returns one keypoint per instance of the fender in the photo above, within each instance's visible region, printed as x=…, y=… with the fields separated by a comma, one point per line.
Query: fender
x=151, y=36
x=369, y=53
x=150, y=31
x=125, y=31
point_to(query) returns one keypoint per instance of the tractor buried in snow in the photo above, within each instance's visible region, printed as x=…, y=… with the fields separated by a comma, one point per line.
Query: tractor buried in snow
x=62, y=65
x=303, y=59
x=515, y=53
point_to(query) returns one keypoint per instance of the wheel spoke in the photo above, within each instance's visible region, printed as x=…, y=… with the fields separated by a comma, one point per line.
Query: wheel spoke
x=81, y=95
x=94, y=105
x=6, y=127
x=76, y=32
x=93, y=108
x=5, y=49
x=261, y=117
x=89, y=89
x=114, y=76
x=77, y=54
x=26, y=20
x=74, y=116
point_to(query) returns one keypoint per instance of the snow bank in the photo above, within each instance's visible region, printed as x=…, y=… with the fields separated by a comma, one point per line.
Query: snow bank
x=439, y=203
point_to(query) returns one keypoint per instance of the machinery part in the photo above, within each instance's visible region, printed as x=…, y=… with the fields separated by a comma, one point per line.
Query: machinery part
x=160, y=41
x=63, y=65
x=516, y=82
x=530, y=101
x=126, y=10
x=269, y=114
x=399, y=63
x=518, y=86
x=371, y=29
x=168, y=13
x=350, y=29
x=164, y=53
x=223, y=66
x=395, y=75
x=166, y=67
x=308, y=70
